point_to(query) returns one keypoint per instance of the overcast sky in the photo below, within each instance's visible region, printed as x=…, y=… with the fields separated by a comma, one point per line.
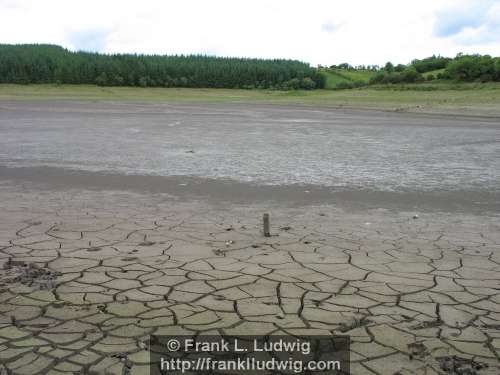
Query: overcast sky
x=316, y=31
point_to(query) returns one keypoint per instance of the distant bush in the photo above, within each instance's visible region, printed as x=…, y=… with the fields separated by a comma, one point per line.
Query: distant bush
x=399, y=68
x=342, y=66
x=378, y=77
x=307, y=83
x=409, y=75
x=430, y=63
x=101, y=80
x=293, y=84
x=473, y=67
x=143, y=82
x=350, y=85
x=497, y=69
x=389, y=67
x=344, y=85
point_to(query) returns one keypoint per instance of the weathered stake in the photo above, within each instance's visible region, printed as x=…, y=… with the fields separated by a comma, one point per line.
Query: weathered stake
x=267, y=232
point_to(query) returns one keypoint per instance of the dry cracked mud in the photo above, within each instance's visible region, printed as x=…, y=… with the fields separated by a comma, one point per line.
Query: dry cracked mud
x=86, y=276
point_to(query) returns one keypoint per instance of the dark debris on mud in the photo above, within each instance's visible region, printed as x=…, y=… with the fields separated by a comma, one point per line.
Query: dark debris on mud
x=454, y=365
x=29, y=274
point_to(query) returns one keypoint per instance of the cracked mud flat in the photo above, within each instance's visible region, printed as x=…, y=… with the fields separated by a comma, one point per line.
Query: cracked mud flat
x=86, y=276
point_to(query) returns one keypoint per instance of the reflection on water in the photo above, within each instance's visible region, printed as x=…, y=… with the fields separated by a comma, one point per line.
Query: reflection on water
x=258, y=144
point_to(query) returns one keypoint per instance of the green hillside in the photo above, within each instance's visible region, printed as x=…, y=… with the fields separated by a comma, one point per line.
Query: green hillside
x=434, y=73
x=345, y=78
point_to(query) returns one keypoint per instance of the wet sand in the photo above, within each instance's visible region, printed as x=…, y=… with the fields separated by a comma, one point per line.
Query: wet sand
x=259, y=144
x=92, y=263
x=226, y=190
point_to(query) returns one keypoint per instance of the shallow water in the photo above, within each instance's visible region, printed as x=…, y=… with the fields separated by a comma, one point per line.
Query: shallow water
x=257, y=143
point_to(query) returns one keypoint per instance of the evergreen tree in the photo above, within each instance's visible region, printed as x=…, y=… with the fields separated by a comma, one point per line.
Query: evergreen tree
x=53, y=64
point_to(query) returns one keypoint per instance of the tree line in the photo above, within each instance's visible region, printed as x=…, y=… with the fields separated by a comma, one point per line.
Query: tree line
x=462, y=68
x=26, y=64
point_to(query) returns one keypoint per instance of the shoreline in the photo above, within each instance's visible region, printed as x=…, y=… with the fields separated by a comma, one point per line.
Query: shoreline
x=472, y=102
x=231, y=191
x=449, y=114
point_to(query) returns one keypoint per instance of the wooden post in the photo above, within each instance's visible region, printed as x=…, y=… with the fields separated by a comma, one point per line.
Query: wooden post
x=266, y=226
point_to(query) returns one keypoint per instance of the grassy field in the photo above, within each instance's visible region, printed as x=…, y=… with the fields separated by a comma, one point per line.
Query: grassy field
x=434, y=72
x=479, y=99
x=332, y=79
x=339, y=76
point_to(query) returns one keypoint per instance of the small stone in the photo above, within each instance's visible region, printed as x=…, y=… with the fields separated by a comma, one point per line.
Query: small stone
x=218, y=252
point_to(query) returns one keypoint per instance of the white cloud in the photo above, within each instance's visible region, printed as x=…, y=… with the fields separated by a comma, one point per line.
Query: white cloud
x=88, y=39
x=470, y=23
x=317, y=31
x=330, y=26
